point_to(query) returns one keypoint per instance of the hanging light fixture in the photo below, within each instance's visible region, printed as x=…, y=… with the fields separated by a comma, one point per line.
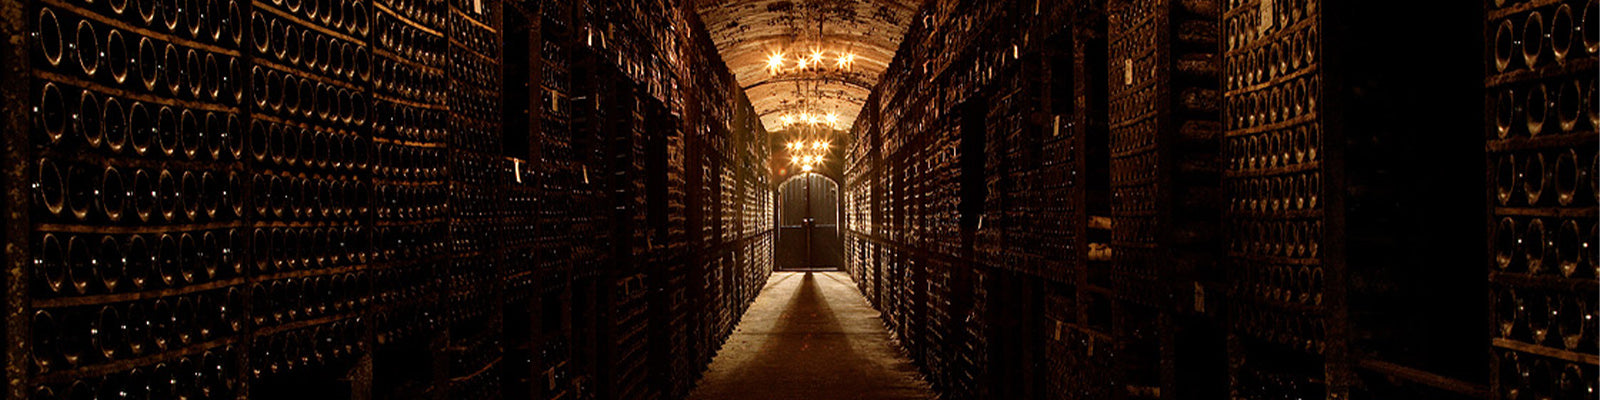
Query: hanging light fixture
x=810, y=62
x=829, y=120
x=777, y=64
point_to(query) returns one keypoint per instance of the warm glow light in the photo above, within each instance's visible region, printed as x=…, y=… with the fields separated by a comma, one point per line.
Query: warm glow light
x=831, y=119
x=814, y=61
x=846, y=60
x=806, y=168
x=795, y=159
x=775, y=63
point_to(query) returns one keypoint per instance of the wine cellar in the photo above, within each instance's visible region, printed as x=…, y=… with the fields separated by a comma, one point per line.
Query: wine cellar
x=708, y=199
x=373, y=200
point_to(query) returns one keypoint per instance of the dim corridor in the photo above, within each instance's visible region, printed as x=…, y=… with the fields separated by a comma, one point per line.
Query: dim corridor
x=618, y=199
x=810, y=336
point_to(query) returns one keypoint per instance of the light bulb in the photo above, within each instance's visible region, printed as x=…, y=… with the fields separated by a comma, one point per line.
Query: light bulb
x=806, y=168
x=775, y=62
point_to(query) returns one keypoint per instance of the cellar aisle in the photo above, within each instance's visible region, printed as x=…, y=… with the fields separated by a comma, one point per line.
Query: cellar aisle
x=810, y=336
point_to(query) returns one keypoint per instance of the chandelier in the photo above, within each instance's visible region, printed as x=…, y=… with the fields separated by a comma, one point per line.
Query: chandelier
x=810, y=119
x=808, y=62
x=807, y=154
x=778, y=63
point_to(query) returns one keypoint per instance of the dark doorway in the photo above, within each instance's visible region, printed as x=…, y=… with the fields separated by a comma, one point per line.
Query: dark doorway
x=808, y=223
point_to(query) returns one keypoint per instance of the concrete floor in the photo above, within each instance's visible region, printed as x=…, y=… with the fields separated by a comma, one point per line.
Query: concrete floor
x=810, y=336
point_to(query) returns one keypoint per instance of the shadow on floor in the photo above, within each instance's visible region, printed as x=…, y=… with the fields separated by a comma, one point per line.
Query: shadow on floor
x=810, y=338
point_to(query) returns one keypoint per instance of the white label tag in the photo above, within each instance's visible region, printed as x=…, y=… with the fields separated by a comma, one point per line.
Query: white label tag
x=1127, y=71
x=1267, y=19
x=477, y=6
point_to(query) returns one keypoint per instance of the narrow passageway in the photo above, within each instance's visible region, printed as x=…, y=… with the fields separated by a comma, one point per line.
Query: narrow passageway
x=643, y=199
x=810, y=336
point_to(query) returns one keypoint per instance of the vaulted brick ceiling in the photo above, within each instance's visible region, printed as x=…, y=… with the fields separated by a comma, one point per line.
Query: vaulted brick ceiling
x=748, y=32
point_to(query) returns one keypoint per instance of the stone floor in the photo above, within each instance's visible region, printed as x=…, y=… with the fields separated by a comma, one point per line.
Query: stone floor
x=811, y=336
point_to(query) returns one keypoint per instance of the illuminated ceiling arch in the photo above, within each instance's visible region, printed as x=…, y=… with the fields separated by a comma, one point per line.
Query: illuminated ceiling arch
x=749, y=32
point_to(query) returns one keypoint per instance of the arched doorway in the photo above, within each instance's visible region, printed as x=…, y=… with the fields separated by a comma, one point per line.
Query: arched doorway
x=808, y=223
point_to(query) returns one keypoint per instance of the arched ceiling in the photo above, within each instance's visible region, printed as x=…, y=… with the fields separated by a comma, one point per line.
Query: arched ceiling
x=749, y=32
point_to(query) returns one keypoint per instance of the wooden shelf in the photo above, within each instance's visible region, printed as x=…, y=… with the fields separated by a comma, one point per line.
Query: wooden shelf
x=1529, y=348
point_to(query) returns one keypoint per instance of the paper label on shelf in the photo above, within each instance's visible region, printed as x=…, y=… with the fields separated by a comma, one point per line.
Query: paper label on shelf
x=1266, y=15
x=1127, y=71
x=477, y=6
